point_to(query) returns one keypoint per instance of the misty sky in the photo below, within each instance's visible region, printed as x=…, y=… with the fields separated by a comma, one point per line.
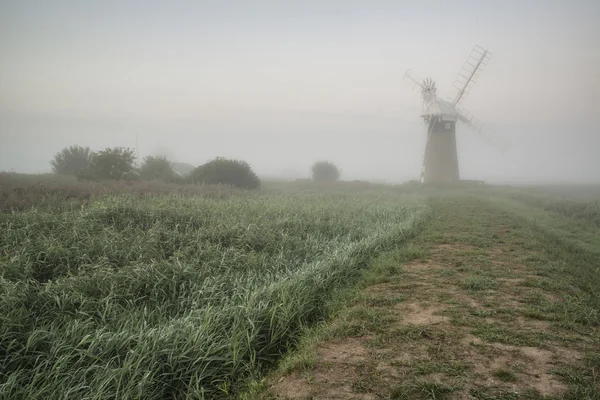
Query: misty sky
x=282, y=84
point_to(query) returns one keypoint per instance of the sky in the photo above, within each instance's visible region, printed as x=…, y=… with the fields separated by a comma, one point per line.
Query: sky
x=282, y=84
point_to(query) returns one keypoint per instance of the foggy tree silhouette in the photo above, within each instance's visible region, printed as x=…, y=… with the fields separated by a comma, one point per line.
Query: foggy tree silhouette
x=71, y=160
x=113, y=163
x=157, y=167
x=325, y=171
x=228, y=172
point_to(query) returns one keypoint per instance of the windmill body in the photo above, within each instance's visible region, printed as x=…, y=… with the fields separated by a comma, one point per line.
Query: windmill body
x=440, y=160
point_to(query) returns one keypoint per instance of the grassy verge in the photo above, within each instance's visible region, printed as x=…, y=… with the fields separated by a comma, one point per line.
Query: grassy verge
x=584, y=209
x=574, y=245
x=483, y=304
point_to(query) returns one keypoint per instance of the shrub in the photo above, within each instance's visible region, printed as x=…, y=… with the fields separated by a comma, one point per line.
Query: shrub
x=324, y=171
x=114, y=163
x=157, y=168
x=71, y=160
x=228, y=172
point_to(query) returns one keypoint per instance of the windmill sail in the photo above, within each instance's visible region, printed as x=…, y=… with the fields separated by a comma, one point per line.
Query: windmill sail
x=413, y=79
x=487, y=134
x=469, y=73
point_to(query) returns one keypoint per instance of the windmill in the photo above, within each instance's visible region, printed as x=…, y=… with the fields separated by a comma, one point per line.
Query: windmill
x=440, y=161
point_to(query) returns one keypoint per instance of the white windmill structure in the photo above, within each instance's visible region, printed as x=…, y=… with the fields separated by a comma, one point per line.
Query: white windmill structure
x=440, y=162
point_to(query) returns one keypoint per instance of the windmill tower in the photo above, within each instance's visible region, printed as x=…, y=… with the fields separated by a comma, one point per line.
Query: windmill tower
x=440, y=161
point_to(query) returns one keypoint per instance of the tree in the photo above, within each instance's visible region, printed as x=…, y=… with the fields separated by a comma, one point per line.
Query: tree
x=113, y=163
x=157, y=167
x=71, y=160
x=228, y=172
x=324, y=171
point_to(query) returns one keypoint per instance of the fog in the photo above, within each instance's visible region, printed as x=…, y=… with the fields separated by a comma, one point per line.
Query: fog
x=284, y=84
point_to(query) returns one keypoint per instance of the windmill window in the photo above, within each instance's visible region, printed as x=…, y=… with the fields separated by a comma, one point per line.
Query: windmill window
x=447, y=125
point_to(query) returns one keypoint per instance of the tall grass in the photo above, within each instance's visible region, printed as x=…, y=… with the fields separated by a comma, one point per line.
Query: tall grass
x=172, y=297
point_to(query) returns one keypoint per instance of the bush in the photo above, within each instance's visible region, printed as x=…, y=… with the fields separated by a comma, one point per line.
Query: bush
x=114, y=163
x=228, y=172
x=71, y=160
x=157, y=168
x=324, y=171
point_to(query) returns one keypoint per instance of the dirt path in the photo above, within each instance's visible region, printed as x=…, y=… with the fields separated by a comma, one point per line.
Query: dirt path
x=480, y=313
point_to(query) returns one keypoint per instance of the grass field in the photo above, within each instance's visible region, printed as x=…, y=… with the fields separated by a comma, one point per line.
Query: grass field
x=297, y=291
x=169, y=297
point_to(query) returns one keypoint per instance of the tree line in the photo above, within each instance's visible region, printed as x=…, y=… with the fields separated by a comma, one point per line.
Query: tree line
x=119, y=163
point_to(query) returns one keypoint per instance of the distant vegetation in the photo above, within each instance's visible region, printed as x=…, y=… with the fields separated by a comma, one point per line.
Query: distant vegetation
x=73, y=160
x=157, y=168
x=118, y=163
x=228, y=172
x=114, y=163
x=325, y=171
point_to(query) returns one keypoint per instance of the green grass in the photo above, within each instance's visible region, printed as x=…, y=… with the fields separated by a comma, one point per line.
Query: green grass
x=586, y=209
x=173, y=297
x=476, y=282
x=574, y=250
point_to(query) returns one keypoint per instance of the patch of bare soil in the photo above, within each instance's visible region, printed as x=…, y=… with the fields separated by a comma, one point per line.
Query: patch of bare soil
x=333, y=378
x=292, y=386
x=416, y=314
x=531, y=366
x=461, y=296
x=349, y=350
x=420, y=265
x=328, y=383
x=497, y=251
x=453, y=247
x=380, y=288
x=533, y=324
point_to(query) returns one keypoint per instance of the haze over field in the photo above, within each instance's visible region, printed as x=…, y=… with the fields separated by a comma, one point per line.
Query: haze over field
x=284, y=84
